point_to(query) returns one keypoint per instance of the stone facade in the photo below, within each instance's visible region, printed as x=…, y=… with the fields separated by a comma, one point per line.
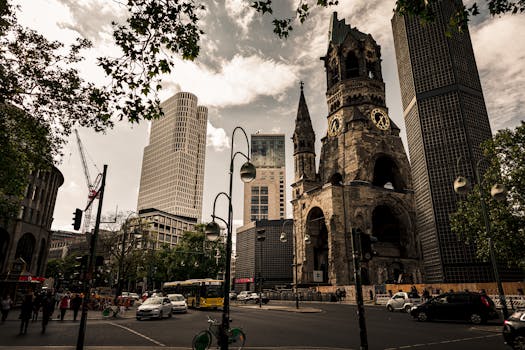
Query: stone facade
x=364, y=179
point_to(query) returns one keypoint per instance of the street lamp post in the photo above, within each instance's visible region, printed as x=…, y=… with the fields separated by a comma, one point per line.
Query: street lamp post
x=283, y=238
x=121, y=261
x=247, y=173
x=498, y=192
x=260, y=238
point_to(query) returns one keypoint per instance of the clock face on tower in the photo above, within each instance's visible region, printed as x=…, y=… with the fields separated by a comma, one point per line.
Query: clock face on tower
x=335, y=125
x=380, y=119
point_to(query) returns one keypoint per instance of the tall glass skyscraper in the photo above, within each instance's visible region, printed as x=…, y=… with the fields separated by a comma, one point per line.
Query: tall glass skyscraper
x=173, y=164
x=446, y=118
x=265, y=197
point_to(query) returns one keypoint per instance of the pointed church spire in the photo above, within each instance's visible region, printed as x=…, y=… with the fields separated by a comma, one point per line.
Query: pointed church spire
x=304, y=141
x=302, y=110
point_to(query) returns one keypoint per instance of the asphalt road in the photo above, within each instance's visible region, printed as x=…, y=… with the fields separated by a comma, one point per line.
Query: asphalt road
x=334, y=327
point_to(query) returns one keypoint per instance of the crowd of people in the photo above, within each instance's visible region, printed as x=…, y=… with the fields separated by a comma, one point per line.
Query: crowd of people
x=43, y=302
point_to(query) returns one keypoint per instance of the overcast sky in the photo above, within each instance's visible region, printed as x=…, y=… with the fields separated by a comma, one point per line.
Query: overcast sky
x=248, y=77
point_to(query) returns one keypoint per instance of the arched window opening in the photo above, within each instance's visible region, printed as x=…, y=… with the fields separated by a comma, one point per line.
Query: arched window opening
x=370, y=71
x=333, y=73
x=395, y=271
x=318, y=247
x=385, y=225
x=25, y=248
x=387, y=174
x=352, y=66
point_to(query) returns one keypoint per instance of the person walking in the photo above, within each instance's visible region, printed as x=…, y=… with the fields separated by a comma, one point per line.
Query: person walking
x=64, y=305
x=6, y=306
x=26, y=310
x=48, y=307
x=36, y=306
x=76, y=301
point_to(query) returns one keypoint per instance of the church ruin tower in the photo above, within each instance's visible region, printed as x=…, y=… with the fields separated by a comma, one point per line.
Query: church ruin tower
x=364, y=178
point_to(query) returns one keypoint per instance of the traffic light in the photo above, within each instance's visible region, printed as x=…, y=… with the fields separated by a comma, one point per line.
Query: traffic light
x=367, y=245
x=77, y=219
x=80, y=267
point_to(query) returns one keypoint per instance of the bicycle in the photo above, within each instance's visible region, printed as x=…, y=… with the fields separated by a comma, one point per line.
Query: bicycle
x=111, y=311
x=203, y=339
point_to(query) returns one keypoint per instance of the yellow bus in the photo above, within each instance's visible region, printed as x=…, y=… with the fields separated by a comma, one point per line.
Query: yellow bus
x=205, y=293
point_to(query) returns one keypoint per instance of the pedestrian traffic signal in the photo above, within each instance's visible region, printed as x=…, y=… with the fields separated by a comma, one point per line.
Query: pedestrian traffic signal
x=367, y=245
x=80, y=267
x=77, y=219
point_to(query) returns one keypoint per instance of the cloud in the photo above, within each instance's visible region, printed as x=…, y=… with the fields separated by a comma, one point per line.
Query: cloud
x=241, y=13
x=217, y=139
x=240, y=80
x=92, y=19
x=501, y=68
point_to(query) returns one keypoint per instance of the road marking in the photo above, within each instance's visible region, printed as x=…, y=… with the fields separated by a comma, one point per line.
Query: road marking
x=137, y=333
x=443, y=342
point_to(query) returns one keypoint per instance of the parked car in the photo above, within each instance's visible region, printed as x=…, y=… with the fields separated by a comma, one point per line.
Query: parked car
x=402, y=301
x=154, y=307
x=244, y=295
x=255, y=298
x=233, y=295
x=514, y=330
x=468, y=306
x=178, y=303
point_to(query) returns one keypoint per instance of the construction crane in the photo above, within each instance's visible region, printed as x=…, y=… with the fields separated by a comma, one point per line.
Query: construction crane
x=92, y=187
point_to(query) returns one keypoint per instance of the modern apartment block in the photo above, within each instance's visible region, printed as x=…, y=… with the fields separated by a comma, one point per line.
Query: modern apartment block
x=173, y=163
x=265, y=197
x=446, y=119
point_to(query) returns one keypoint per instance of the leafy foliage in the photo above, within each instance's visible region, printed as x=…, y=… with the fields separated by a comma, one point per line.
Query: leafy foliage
x=153, y=32
x=24, y=146
x=421, y=8
x=506, y=153
x=42, y=97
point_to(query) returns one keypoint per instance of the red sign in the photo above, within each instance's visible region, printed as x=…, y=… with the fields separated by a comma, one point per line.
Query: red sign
x=28, y=278
x=244, y=280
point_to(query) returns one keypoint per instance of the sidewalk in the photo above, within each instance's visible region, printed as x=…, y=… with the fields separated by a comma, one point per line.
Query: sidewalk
x=92, y=315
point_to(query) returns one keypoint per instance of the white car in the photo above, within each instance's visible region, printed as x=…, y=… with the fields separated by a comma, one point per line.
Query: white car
x=402, y=301
x=244, y=295
x=154, y=307
x=178, y=303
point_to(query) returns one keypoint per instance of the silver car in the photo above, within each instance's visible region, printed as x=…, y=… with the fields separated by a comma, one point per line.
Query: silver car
x=154, y=307
x=178, y=303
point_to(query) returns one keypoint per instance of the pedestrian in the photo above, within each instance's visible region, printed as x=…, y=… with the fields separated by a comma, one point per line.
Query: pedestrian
x=64, y=305
x=26, y=311
x=343, y=294
x=426, y=295
x=48, y=307
x=37, y=303
x=6, y=306
x=76, y=301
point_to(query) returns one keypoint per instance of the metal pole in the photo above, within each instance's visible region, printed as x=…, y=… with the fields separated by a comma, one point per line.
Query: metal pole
x=121, y=262
x=91, y=263
x=359, y=290
x=493, y=261
x=260, y=272
x=296, y=292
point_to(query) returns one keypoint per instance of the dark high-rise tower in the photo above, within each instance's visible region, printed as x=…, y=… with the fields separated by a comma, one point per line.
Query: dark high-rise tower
x=446, y=119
